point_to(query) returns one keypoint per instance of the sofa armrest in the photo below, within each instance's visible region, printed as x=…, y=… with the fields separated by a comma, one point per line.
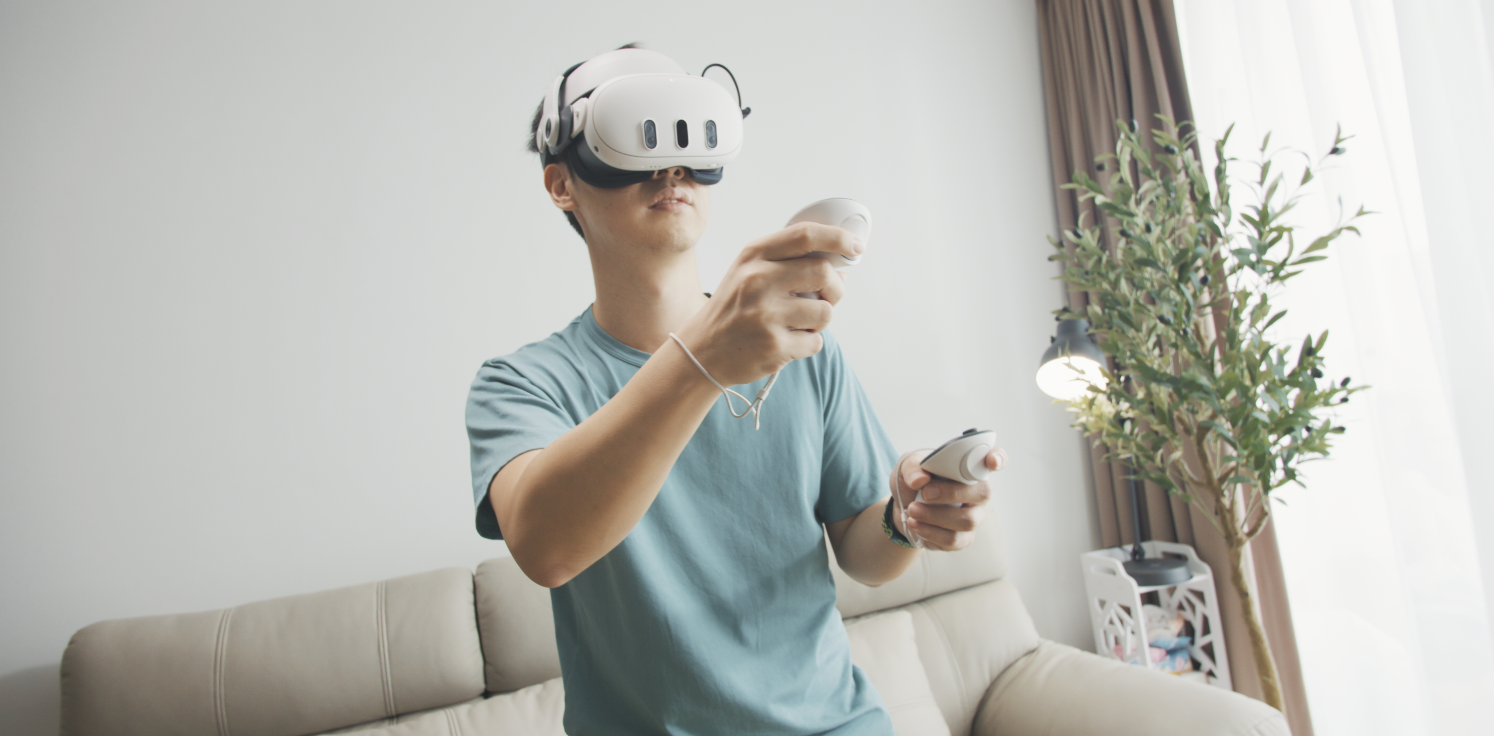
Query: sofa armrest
x=1057, y=689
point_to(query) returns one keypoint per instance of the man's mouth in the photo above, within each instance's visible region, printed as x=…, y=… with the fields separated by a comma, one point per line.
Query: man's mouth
x=671, y=200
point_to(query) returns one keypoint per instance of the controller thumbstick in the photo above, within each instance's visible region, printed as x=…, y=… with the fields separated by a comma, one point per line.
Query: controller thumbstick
x=973, y=467
x=856, y=225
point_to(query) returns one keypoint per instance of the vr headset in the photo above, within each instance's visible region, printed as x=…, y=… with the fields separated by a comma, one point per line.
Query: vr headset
x=617, y=118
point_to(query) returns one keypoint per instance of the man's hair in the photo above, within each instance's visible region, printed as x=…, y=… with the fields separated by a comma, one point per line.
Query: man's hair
x=546, y=158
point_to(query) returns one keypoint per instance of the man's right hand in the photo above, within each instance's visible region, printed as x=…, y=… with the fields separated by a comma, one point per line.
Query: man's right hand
x=754, y=324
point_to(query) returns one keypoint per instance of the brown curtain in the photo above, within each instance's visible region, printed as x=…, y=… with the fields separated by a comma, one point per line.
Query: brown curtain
x=1109, y=60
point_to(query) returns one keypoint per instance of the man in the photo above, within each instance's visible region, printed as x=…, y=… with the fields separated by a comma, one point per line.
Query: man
x=684, y=549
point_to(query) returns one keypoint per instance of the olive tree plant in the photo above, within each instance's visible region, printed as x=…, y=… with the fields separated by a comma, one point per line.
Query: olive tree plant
x=1200, y=396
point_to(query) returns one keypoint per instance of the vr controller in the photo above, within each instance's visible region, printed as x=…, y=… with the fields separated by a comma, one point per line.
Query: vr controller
x=840, y=212
x=962, y=459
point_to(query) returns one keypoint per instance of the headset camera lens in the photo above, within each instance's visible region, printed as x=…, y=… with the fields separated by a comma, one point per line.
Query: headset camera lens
x=710, y=127
x=681, y=134
x=650, y=135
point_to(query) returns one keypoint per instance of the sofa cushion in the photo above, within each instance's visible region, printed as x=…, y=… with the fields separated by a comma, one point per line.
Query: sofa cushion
x=518, y=629
x=933, y=573
x=965, y=639
x=1057, y=689
x=281, y=667
x=884, y=648
x=536, y=710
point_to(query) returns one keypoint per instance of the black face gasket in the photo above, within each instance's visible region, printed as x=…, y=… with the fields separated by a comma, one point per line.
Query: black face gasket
x=592, y=170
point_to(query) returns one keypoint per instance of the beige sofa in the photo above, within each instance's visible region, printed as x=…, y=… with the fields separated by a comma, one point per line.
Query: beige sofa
x=448, y=652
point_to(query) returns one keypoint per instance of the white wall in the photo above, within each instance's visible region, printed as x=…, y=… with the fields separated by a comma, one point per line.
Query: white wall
x=251, y=256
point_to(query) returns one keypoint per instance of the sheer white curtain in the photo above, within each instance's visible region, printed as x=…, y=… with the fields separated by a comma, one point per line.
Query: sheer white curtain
x=1382, y=549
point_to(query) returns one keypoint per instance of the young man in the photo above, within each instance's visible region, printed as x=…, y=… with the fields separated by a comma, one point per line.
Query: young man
x=684, y=549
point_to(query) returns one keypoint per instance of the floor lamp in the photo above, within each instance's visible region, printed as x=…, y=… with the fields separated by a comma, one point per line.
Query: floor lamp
x=1071, y=364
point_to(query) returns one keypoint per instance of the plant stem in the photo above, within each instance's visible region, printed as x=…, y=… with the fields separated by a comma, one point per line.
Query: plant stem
x=1229, y=528
x=1265, y=664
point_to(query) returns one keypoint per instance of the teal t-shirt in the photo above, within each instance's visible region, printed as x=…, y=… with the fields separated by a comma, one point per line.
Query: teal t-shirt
x=716, y=614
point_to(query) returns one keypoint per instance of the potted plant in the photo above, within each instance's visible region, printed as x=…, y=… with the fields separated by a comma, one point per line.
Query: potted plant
x=1200, y=397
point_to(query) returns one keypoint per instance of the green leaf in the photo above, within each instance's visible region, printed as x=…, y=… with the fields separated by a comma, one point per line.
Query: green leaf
x=1318, y=244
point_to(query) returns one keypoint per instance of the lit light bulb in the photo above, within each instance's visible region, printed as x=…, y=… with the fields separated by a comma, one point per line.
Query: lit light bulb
x=1072, y=363
x=1068, y=377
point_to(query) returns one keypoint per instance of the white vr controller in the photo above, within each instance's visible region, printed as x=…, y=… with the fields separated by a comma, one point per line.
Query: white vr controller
x=962, y=459
x=841, y=212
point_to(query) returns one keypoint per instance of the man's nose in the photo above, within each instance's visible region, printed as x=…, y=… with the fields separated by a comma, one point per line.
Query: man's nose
x=677, y=172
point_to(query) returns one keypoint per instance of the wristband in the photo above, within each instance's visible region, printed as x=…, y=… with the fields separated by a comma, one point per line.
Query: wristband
x=891, y=531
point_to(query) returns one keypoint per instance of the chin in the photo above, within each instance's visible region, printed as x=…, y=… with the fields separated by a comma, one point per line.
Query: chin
x=676, y=235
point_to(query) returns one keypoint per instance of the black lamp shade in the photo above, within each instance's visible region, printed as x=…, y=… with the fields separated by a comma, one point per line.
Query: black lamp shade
x=1072, y=363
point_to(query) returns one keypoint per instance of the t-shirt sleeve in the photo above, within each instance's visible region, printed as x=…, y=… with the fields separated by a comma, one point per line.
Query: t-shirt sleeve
x=507, y=416
x=858, y=453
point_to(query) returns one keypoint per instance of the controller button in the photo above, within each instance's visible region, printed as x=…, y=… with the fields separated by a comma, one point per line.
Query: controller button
x=856, y=225
x=974, y=465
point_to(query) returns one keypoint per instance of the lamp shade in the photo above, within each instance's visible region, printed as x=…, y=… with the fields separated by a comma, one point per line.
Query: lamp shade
x=1072, y=363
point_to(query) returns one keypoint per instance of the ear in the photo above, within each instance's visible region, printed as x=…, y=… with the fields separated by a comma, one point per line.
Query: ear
x=559, y=184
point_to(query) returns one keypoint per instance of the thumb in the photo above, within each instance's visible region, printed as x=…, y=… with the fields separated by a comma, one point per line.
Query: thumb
x=910, y=473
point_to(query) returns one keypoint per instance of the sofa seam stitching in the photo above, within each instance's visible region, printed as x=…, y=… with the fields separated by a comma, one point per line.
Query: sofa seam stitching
x=220, y=691
x=381, y=605
x=948, y=647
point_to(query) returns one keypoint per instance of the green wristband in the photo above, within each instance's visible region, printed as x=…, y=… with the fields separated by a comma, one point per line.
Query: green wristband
x=891, y=530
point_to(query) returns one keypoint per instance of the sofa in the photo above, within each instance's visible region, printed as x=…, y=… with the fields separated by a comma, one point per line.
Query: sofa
x=451, y=652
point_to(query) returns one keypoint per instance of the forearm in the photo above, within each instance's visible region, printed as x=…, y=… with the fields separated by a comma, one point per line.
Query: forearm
x=865, y=552
x=587, y=490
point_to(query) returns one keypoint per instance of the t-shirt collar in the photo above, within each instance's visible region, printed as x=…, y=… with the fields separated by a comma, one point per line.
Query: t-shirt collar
x=610, y=344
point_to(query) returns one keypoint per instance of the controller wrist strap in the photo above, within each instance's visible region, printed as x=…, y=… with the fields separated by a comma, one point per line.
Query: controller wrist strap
x=754, y=406
x=896, y=482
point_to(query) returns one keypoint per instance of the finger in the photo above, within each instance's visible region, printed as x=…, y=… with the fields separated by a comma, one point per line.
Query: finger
x=835, y=288
x=939, y=538
x=953, y=518
x=914, y=476
x=997, y=459
x=807, y=274
x=803, y=238
x=948, y=491
x=813, y=315
x=801, y=344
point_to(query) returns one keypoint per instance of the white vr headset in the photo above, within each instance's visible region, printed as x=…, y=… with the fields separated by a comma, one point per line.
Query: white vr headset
x=617, y=118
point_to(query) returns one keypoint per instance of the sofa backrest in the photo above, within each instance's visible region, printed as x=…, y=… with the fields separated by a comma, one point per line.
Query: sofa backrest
x=934, y=573
x=968, y=622
x=369, y=653
x=281, y=667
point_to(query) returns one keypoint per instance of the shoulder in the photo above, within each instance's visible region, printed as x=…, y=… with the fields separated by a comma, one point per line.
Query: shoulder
x=544, y=365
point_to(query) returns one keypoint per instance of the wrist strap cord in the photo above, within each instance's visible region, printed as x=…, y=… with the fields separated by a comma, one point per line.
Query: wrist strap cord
x=914, y=540
x=754, y=406
x=896, y=482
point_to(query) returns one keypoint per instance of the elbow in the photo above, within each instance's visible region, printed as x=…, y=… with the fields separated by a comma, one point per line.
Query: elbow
x=552, y=577
x=543, y=569
x=861, y=576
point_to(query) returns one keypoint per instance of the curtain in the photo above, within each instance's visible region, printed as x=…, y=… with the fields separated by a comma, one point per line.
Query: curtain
x=1108, y=60
x=1381, y=549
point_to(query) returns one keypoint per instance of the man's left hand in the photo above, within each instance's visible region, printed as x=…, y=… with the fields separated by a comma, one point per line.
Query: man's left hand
x=950, y=510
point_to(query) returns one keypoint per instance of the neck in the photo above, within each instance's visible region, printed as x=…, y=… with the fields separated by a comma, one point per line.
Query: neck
x=642, y=297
